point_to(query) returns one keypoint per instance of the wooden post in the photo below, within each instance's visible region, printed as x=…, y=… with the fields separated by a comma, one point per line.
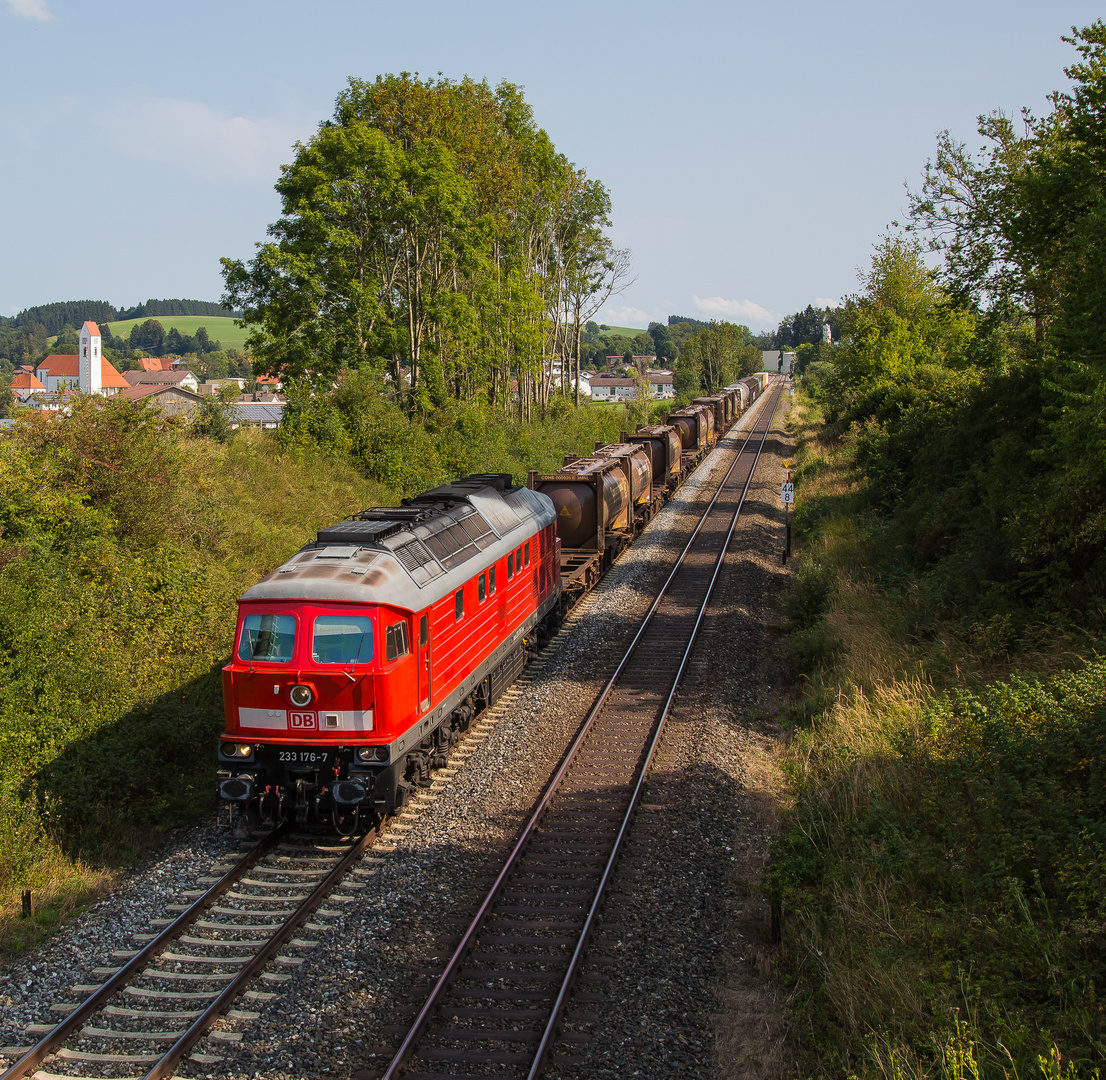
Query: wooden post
x=28, y=904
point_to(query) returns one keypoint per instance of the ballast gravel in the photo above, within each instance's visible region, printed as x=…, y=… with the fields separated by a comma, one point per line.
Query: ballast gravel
x=683, y=941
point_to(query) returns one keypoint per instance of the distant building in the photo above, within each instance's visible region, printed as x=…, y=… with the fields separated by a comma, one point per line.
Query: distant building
x=25, y=385
x=250, y=414
x=620, y=388
x=172, y=400
x=88, y=371
x=183, y=378
x=213, y=386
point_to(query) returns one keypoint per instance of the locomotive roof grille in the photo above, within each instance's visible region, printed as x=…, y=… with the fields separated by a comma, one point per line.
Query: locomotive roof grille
x=360, y=531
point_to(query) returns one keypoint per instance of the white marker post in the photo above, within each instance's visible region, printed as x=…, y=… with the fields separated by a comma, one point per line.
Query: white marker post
x=787, y=494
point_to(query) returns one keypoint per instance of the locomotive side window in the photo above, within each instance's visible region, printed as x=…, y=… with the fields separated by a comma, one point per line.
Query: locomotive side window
x=396, y=644
x=482, y=588
x=491, y=580
x=424, y=631
x=526, y=556
x=268, y=637
x=342, y=639
x=518, y=560
x=510, y=566
x=458, y=604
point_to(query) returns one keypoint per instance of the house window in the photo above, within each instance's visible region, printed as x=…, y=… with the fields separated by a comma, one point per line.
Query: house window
x=458, y=604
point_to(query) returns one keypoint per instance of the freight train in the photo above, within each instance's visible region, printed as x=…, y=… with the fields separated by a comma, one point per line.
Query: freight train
x=362, y=659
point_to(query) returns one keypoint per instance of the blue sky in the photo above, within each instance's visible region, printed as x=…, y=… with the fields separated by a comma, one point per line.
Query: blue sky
x=754, y=151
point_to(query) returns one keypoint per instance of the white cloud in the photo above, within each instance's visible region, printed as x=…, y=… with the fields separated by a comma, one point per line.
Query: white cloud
x=625, y=316
x=753, y=315
x=30, y=9
x=824, y=302
x=210, y=142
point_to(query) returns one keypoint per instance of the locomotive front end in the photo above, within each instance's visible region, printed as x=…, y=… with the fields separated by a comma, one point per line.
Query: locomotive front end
x=304, y=733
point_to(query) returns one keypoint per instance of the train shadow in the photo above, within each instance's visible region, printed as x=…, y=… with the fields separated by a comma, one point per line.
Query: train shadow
x=121, y=788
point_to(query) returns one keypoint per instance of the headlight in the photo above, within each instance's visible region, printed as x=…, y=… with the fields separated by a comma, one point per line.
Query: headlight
x=301, y=695
x=372, y=753
x=236, y=750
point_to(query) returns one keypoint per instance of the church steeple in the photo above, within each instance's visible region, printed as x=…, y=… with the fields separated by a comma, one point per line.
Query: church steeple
x=90, y=378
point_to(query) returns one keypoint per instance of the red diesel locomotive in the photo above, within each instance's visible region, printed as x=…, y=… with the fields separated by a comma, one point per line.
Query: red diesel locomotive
x=360, y=661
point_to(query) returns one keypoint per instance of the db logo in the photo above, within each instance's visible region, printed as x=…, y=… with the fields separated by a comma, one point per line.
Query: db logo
x=303, y=720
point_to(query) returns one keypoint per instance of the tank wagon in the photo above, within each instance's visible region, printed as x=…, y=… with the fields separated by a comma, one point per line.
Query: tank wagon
x=662, y=443
x=593, y=508
x=646, y=496
x=359, y=661
x=695, y=426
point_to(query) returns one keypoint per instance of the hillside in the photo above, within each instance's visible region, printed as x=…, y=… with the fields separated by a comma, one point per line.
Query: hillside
x=224, y=330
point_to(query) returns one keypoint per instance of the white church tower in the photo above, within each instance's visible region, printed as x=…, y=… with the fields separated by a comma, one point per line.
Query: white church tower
x=90, y=378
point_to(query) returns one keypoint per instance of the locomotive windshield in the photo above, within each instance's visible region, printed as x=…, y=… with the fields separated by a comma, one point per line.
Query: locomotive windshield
x=267, y=637
x=342, y=639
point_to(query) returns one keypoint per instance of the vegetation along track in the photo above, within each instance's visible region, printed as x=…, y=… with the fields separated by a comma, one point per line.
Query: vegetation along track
x=189, y=974
x=501, y=997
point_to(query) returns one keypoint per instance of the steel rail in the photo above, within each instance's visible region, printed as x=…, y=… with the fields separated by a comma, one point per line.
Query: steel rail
x=410, y=1041
x=165, y=1066
x=549, y=1033
x=92, y=1004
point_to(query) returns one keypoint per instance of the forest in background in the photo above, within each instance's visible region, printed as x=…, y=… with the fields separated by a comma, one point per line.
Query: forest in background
x=940, y=884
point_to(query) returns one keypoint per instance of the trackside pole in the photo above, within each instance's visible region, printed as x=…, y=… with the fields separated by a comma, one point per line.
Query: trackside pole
x=787, y=494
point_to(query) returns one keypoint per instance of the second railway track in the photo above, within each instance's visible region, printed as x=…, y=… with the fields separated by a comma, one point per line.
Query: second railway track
x=498, y=1004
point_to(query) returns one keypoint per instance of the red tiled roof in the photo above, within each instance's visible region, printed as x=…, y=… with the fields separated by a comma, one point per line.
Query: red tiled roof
x=25, y=380
x=93, y=329
x=67, y=366
x=155, y=363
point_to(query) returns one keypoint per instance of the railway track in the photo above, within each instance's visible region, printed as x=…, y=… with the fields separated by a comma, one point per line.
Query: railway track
x=155, y=1009
x=499, y=1002
x=234, y=944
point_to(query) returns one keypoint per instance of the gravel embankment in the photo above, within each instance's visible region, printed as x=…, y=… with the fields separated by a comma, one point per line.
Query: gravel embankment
x=685, y=916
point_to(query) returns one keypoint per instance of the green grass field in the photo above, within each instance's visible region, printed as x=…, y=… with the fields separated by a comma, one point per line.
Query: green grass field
x=219, y=328
x=623, y=331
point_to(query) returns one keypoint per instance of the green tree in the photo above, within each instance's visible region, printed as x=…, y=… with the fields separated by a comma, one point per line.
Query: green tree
x=148, y=337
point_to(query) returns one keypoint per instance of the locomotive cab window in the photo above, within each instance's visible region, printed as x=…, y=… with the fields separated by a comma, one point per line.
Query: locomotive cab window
x=526, y=554
x=518, y=560
x=424, y=631
x=342, y=639
x=491, y=580
x=510, y=566
x=458, y=604
x=396, y=644
x=267, y=637
x=482, y=588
